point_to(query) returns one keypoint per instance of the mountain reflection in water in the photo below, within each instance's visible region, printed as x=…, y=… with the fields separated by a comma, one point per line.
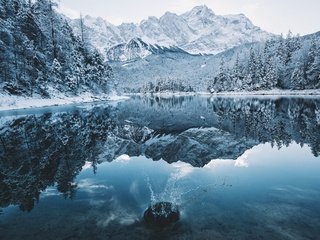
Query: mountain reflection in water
x=51, y=148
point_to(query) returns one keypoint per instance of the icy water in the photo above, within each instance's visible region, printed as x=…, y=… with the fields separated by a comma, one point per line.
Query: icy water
x=235, y=168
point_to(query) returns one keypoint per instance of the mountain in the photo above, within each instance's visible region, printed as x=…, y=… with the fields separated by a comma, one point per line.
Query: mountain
x=281, y=63
x=137, y=49
x=195, y=71
x=198, y=31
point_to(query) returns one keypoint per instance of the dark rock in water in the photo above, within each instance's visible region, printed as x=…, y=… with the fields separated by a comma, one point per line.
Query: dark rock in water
x=161, y=214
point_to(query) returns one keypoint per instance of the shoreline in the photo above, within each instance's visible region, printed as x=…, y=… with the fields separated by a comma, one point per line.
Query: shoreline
x=9, y=102
x=275, y=92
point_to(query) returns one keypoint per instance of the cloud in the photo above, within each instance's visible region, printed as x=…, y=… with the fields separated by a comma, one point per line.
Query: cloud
x=49, y=192
x=216, y=163
x=87, y=165
x=123, y=158
x=118, y=213
x=183, y=169
x=241, y=163
x=88, y=186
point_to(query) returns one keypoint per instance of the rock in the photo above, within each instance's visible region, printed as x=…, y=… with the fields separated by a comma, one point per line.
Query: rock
x=161, y=214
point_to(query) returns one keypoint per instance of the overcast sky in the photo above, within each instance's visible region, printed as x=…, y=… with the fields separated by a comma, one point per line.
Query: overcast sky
x=277, y=16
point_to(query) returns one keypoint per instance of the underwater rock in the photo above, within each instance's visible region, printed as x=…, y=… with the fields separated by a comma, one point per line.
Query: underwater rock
x=161, y=214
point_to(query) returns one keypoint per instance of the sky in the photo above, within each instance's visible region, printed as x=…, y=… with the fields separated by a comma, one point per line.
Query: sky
x=276, y=16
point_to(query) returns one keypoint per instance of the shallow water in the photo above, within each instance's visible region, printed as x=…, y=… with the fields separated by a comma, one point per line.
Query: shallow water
x=236, y=168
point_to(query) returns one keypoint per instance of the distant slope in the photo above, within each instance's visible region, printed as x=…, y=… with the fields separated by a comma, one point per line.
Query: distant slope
x=291, y=63
x=193, y=70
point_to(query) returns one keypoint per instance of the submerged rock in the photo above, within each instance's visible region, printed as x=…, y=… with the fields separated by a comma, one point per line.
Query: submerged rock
x=161, y=214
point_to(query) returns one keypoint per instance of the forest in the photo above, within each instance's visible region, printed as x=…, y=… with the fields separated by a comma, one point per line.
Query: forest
x=284, y=63
x=40, y=54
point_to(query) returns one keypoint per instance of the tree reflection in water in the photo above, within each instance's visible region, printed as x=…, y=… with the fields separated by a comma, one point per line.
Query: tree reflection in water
x=37, y=151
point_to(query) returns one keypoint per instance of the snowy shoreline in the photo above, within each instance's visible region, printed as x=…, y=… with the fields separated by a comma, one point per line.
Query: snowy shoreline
x=275, y=92
x=8, y=102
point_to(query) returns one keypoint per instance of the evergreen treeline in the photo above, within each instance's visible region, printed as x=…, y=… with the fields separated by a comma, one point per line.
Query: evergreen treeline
x=168, y=85
x=40, y=54
x=285, y=63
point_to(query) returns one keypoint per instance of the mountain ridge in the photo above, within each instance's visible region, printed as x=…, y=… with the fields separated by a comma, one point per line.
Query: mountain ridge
x=198, y=31
x=290, y=63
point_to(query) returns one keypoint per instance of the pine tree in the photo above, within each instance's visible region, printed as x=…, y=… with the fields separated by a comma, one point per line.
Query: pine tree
x=280, y=51
x=270, y=77
x=252, y=67
x=237, y=77
x=313, y=65
x=288, y=48
x=56, y=72
x=297, y=78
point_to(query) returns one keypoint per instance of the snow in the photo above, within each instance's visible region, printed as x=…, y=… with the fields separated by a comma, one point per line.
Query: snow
x=133, y=49
x=16, y=102
x=177, y=66
x=8, y=102
x=200, y=71
x=274, y=92
x=198, y=31
x=167, y=94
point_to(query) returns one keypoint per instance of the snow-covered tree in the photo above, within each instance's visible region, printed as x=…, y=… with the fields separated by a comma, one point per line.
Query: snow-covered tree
x=297, y=78
x=313, y=64
x=288, y=63
x=37, y=43
x=237, y=75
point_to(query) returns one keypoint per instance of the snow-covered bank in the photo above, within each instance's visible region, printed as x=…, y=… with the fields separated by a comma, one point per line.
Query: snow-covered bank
x=9, y=102
x=274, y=92
x=166, y=94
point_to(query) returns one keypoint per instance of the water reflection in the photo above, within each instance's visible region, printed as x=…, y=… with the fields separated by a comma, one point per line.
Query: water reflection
x=51, y=149
x=271, y=198
x=40, y=151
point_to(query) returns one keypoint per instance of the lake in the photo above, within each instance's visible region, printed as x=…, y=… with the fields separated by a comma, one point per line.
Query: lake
x=228, y=167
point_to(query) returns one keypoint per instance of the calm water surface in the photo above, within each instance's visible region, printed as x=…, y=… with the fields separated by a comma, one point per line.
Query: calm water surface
x=236, y=168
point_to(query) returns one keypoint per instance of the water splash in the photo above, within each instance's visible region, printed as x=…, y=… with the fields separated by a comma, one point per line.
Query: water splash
x=176, y=193
x=171, y=192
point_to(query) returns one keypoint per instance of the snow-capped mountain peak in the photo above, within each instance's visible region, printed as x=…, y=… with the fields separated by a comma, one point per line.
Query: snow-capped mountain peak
x=200, y=11
x=136, y=48
x=198, y=31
